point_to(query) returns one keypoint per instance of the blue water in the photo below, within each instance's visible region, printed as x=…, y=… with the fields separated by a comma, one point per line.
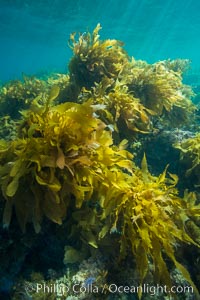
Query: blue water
x=34, y=34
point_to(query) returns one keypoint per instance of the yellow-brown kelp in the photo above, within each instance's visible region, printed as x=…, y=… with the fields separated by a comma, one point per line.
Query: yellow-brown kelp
x=148, y=218
x=119, y=108
x=17, y=95
x=160, y=89
x=135, y=94
x=63, y=152
x=190, y=157
x=94, y=59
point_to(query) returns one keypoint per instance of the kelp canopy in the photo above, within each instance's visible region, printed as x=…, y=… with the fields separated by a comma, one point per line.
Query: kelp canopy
x=67, y=154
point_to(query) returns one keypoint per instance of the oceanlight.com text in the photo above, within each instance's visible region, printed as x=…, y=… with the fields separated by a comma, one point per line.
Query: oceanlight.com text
x=62, y=289
x=150, y=289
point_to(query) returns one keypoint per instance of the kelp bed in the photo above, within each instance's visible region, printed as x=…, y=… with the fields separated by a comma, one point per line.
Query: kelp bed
x=73, y=150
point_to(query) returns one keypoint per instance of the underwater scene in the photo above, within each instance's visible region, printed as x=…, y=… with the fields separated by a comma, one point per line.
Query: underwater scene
x=100, y=150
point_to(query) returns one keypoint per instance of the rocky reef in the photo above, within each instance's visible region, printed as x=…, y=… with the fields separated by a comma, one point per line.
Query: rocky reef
x=99, y=178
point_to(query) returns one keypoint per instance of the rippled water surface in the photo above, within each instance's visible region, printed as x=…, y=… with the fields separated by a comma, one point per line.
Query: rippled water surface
x=34, y=34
